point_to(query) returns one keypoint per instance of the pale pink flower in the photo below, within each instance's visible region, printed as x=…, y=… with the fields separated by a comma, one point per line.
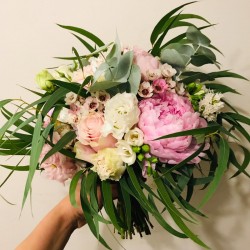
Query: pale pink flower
x=159, y=85
x=165, y=114
x=145, y=90
x=58, y=166
x=167, y=70
x=47, y=118
x=89, y=128
x=146, y=62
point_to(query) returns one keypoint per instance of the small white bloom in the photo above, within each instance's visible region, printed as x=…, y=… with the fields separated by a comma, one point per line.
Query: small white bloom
x=126, y=152
x=102, y=96
x=211, y=105
x=134, y=137
x=108, y=164
x=66, y=116
x=167, y=70
x=146, y=90
x=70, y=98
x=91, y=103
x=180, y=90
x=153, y=74
x=121, y=114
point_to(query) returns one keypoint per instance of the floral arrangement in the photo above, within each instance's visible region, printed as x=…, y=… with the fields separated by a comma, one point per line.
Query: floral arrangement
x=126, y=116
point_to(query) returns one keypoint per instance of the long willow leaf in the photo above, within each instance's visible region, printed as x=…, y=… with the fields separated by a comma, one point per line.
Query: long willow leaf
x=36, y=148
x=223, y=157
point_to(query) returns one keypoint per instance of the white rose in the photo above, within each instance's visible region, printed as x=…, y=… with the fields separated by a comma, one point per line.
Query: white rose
x=126, y=152
x=108, y=164
x=167, y=70
x=134, y=137
x=121, y=113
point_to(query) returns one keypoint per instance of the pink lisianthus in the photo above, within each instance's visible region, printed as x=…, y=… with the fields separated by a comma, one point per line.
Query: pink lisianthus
x=146, y=62
x=58, y=166
x=159, y=85
x=165, y=114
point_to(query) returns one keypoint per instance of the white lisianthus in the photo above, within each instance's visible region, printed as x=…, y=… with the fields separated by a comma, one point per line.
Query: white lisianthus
x=211, y=105
x=126, y=152
x=121, y=113
x=134, y=137
x=108, y=164
x=167, y=70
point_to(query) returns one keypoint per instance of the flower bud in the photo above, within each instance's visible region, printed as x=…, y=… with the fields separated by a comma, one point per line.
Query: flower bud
x=43, y=80
x=145, y=148
x=136, y=149
x=140, y=157
x=153, y=159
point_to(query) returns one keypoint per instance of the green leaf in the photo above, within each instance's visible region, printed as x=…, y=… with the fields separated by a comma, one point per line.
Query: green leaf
x=19, y=114
x=85, y=33
x=134, y=79
x=36, y=148
x=70, y=86
x=72, y=188
x=88, y=215
x=196, y=37
x=177, y=54
x=219, y=172
x=103, y=85
x=206, y=130
x=124, y=67
x=109, y=205
x=16, y=168
x=218, y=87
x=86, y=44
x=78, y=57
x=54, y=98
x=67, y=138
x=157, y=46
x=159, y=26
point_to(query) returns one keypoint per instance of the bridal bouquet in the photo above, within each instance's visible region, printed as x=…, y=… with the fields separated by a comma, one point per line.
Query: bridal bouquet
x=132, y=117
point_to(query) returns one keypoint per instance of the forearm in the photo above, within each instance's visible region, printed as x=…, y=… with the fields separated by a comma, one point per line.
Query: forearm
x=54, y=231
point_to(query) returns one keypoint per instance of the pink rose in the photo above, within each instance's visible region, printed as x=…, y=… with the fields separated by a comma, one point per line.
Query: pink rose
x=147, y=63
x=58, y=166
x=168, y=113
x=89, y=128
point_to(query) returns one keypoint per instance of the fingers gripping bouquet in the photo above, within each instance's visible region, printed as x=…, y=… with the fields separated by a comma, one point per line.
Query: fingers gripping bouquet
x=127, y=116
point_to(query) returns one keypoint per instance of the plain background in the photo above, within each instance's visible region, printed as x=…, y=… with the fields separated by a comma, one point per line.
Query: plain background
x=30, y=39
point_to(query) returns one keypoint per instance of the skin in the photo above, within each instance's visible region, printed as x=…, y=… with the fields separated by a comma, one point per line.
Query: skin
x=55, y=229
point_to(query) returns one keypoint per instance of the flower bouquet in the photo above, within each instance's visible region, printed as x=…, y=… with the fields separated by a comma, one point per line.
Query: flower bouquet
x=134, y=118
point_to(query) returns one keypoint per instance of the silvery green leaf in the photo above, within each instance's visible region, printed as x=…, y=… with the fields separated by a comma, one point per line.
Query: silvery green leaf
x=103, y=85
x=124, y=66
x=177, y=54
x=100, y=70
x=134, y=79
x=196, y=37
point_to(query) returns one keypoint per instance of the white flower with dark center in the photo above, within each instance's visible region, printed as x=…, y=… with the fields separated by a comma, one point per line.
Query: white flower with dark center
x=145, y=90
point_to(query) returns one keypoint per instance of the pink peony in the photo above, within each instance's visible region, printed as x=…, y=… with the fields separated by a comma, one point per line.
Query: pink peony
x=147, y=63
x=58, y=166
x=168, y=113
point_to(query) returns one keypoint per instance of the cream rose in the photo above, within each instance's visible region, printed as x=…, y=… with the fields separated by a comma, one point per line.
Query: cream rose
x=108, y=164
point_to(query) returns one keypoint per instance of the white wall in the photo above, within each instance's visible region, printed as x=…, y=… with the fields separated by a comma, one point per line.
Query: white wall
x=28, y=41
